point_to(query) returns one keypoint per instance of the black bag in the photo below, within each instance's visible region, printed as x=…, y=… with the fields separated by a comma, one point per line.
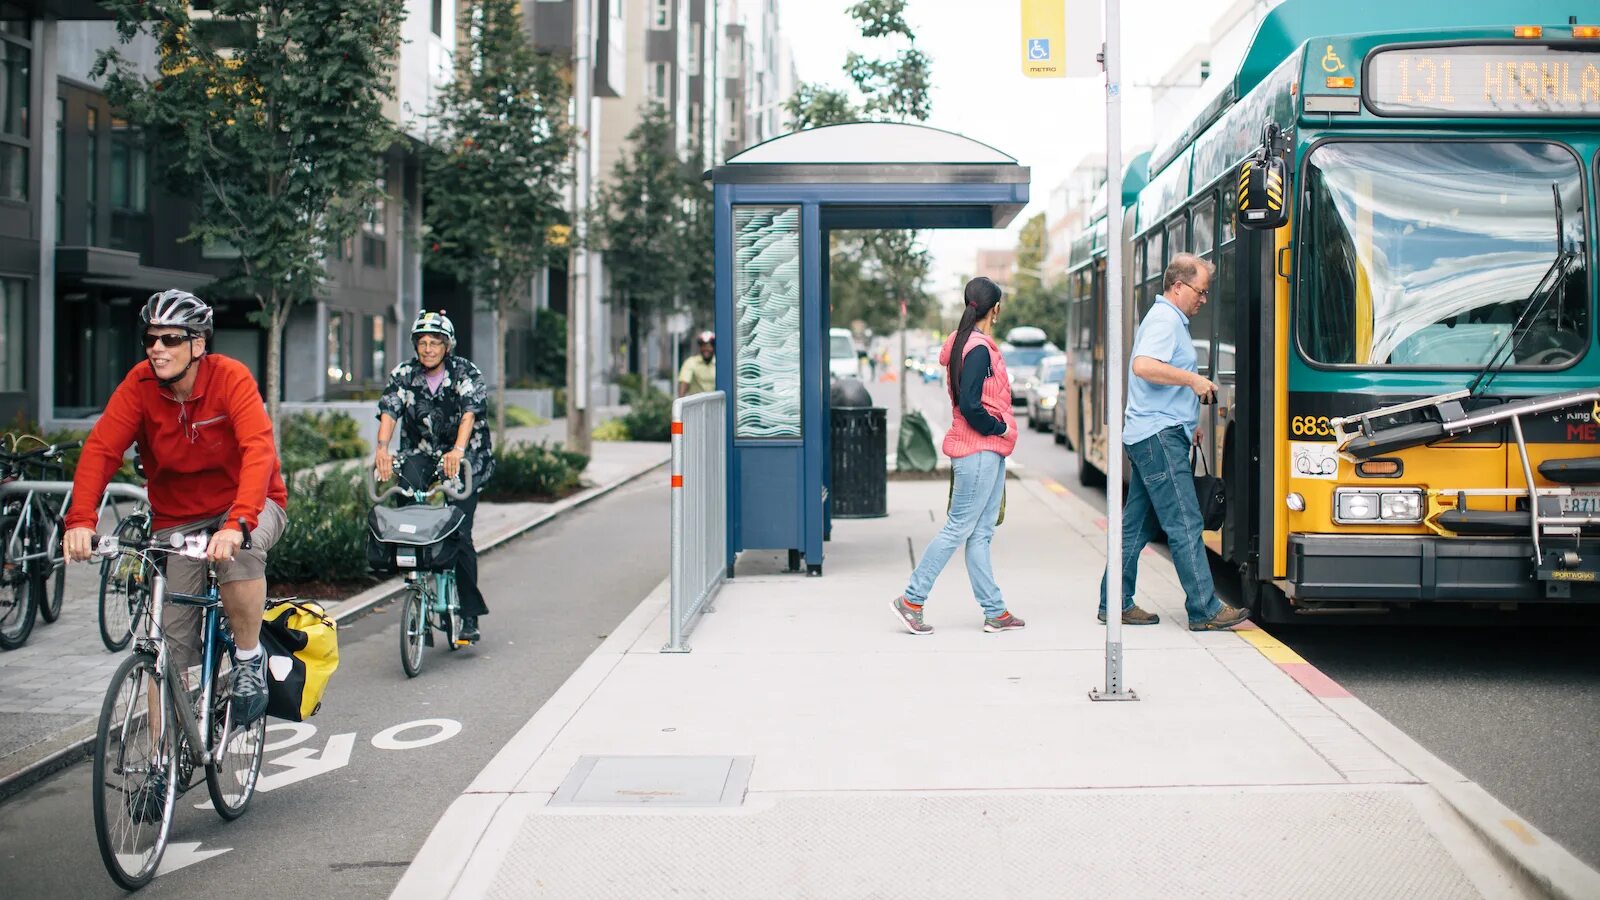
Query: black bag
x=413, y=537
x=1210, y=491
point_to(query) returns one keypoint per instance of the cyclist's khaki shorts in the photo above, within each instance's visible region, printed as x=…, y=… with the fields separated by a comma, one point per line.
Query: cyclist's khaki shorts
x=188, y=576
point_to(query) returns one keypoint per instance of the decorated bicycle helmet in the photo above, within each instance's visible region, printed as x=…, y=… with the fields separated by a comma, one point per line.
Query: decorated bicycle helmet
x=708, y=337
x=429, y=322
x=178, y=309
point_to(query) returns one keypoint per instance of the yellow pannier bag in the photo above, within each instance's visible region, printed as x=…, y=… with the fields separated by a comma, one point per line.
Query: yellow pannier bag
x=301, y=644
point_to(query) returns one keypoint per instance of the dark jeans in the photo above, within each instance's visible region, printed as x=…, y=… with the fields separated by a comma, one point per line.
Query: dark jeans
x=418, y=470
x=1162, y=491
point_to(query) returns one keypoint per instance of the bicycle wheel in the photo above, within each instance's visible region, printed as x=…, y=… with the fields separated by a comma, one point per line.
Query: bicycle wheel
x=52, y=579
x=413, y=629
x=135, y=775
x=231, y=781
x=16, y=604
x=451, y=620
x=124, y=587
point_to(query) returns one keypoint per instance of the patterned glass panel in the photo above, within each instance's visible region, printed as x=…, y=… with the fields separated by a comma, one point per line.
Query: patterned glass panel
x=766, y=310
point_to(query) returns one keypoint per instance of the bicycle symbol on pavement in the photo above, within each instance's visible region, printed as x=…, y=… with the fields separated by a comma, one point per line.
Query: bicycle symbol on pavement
x=1038, y=49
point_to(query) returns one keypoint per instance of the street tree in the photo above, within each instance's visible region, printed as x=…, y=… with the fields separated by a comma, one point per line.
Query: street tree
x=499, y=142
x=643, y=224
x=268, y=114
x=1032, y=301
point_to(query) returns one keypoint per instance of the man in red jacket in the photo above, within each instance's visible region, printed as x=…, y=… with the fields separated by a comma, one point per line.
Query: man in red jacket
x=209, y=461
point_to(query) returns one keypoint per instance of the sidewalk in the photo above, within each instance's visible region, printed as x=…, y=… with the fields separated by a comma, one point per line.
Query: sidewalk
x=52, y=688
x=964, y=764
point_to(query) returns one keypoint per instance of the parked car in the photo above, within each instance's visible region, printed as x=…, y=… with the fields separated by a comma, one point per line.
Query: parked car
x=1025, y=347
x=1043, y=391
x=843, y=361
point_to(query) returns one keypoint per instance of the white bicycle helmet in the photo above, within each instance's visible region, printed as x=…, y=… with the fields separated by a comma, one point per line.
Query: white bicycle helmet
x=429, y=322
x=178, y=309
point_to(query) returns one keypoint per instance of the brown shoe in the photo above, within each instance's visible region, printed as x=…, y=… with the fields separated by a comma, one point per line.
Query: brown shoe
x=1226, y=618
x=1133, y=615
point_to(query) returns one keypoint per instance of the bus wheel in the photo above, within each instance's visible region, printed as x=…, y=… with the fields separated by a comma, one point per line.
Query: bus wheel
x=1267, y=604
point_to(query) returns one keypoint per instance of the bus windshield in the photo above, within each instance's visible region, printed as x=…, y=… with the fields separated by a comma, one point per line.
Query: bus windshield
x=1425, y=254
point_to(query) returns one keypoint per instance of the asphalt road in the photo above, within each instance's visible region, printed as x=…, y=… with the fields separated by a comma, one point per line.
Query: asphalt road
x=350, y=830
x=1515, y=708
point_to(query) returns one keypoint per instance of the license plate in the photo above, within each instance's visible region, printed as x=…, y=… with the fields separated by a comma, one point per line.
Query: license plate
x=1586, y=503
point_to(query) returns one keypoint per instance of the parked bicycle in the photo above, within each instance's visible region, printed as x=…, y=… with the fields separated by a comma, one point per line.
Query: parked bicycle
x=418, y=540
x=33, y=572
x=155, y=732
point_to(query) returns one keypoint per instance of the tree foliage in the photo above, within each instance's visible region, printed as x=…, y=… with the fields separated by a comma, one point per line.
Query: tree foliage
x=495, y=173
x=269, y=116
x=1031, y=301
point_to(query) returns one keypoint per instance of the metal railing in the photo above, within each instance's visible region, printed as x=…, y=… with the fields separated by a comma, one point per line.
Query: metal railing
x=699, y=510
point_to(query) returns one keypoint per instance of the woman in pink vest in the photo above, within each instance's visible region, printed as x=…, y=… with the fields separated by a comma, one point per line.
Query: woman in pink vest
x=982, y=434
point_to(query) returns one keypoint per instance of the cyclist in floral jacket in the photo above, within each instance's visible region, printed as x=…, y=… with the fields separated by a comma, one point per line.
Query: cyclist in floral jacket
x=438, y=400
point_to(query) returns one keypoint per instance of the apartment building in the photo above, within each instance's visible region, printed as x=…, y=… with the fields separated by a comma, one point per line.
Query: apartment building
x=87, y=233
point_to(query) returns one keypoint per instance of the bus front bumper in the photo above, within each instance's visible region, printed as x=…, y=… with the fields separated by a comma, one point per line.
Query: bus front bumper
x=1378, y=568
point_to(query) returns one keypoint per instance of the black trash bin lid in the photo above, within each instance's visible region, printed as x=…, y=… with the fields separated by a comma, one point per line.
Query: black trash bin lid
x=848, y=392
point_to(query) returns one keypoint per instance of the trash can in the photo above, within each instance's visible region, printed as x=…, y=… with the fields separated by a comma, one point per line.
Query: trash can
x=860, y=450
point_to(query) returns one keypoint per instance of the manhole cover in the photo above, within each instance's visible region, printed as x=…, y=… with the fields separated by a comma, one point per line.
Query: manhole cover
x=656, y=781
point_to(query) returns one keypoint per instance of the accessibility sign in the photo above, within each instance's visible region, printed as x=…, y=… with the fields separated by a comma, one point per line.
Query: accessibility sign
x=1049, y=49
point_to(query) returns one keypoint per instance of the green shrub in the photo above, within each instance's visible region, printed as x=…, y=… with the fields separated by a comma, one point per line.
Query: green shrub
x=630, y=386
x=308, y=439
x=533, y=472
x=612, y=430
x=517, y=417
x=650, y=419
x=20, y=437
x=327, y=535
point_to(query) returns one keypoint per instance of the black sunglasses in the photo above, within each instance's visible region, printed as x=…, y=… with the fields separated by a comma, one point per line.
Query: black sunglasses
x=167, y=340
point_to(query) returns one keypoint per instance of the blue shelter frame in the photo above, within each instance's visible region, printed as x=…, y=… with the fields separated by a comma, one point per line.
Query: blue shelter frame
x=775, y=204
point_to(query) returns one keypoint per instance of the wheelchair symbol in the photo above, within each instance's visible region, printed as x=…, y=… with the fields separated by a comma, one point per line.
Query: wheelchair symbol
x=1038, y=49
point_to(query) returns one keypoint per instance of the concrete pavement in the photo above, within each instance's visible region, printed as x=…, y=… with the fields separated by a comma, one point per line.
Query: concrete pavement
x=964, y=764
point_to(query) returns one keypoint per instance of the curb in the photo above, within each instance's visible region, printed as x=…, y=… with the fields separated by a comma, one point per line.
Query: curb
x=1548, y=867
x=79, y=747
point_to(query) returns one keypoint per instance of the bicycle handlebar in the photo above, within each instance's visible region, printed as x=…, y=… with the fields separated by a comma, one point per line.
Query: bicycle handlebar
x=192, y=545
x=465, y=481
x=47, y=451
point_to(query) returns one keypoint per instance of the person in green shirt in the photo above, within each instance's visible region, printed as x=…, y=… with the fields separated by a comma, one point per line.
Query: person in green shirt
x=699, y=373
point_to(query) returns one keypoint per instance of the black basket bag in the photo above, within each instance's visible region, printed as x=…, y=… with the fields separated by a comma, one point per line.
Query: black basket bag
x=416, y=538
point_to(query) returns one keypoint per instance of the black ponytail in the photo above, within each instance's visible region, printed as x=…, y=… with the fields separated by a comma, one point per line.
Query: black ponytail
x=981, y=295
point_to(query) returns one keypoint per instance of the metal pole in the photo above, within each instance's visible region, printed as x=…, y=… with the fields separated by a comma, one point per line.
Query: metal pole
x=678, y=598
x=902, y=373
x=578, y=297
x=1114, y=689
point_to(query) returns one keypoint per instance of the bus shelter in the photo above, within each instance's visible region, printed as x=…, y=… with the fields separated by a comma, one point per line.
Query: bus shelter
x=775, y=206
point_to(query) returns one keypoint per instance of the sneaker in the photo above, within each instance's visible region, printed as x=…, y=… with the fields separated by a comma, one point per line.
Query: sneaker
x=1133, y=615
x=469, y=629
x=249, y=690
x=1226, y=618
x=911, y=617
x=1003, y=622
x=149, y=803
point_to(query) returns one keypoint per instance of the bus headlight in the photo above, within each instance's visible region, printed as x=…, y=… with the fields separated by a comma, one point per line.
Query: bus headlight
x=1402, y=506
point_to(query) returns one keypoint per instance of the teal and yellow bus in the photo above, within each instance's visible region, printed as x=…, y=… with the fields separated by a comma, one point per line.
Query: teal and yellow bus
x=1401, y=208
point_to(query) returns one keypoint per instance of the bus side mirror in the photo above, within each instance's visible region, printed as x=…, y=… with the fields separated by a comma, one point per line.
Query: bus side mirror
x=1263, y=179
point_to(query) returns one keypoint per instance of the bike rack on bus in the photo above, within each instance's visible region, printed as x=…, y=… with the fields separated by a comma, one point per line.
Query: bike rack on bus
x=1444, y=416
x=28, y=490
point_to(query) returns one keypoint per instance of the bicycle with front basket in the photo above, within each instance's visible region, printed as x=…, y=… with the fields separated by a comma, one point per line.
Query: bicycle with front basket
x=416, y=539
x=155, y=733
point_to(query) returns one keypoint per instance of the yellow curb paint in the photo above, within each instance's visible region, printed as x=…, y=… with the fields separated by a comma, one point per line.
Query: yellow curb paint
x=1269, y=646
x=1516, y=827
x=1057, y=487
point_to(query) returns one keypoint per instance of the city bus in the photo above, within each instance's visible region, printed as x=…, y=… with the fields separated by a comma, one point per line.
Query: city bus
x=1400, y=205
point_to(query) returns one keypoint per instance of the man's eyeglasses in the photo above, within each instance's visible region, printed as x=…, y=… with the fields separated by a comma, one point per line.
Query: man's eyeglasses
x=167, y=340
x=1205, y=293
x=432, y=343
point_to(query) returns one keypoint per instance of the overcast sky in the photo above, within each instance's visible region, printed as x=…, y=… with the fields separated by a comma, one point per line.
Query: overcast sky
x=979, y=90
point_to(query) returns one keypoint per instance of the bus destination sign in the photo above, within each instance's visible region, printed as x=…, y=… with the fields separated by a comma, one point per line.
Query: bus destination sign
x=1497, y=80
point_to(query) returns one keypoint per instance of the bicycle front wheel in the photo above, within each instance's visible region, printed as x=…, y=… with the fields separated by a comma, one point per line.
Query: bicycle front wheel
x=231, y=781
x=16, y=604
x=135, y=774
x=124, y=600
x=413, y=630
x=52, y=590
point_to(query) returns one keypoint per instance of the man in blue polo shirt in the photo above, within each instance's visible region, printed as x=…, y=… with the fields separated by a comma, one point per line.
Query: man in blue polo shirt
x=1165, y=391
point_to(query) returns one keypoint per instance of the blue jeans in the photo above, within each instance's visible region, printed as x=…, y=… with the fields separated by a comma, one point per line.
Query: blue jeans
x=1162, y=491
x=974, y=506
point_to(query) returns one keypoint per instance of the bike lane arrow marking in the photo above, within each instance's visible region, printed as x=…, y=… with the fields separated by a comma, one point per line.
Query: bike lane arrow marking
x=306, y=763
x=183, y=855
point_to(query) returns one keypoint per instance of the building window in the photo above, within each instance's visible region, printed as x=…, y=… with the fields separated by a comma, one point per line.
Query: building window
x=734, y=129
x=12, y=335
x=374, y=231
x=661, y=82
x=380, y=356
x=436, y=18
x=91, y=181
x=695, y=37
x=61, y=169
x=341, y=328
x=16, y=58
x=660, y=15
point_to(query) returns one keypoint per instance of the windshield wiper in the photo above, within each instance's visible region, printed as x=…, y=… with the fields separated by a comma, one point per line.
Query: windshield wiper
x=1506, y=350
